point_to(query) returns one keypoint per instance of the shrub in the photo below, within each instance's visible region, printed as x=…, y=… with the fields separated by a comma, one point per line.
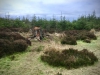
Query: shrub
x=5, y=47
x=20, y=45
x=28, y=42
x=13, y=36
x=80, y=35
x=91, y=36
x=87, y=40
x=5, y=30
x=69, y=58
x=11, y=42
x=69, y=40
x=16, y=29
x=10, y=35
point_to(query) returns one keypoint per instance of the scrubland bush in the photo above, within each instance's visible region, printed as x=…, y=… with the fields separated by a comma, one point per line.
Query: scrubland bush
x=5, y=47
x=20, y=45
x=8, y=47
x=74, y=35
x=10, y=36
x=69, y=40
x=5, y=30
x=91, y=36
x=16, y=29
x=87, y=40
x=11, y=42
x=69, y=58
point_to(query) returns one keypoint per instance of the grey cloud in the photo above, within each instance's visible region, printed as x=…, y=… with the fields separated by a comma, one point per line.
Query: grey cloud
x=71, y=10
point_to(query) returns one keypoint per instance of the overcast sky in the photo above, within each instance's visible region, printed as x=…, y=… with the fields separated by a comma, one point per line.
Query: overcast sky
x=72, y=9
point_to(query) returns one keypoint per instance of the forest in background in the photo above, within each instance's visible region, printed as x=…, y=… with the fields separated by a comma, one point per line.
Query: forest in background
x=84, y=22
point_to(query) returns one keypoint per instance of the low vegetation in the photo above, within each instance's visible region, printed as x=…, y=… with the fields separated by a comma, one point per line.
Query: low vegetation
x=69, y=40
x=69, y=58
x=73, y=35
x=86, y=22
x=28, y=63
x=11, y=42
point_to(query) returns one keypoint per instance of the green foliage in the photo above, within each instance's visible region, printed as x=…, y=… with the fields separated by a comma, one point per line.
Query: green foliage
x=69, y=58
x=34, y=21
x=40, y=48
x=84, y=22
x=80, y=25
x=63, y=24
x=87, y=22
x=4, y=22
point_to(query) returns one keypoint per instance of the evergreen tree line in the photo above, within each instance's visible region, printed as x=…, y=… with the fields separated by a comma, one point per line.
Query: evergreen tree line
x=83, y=22
x=16, y=23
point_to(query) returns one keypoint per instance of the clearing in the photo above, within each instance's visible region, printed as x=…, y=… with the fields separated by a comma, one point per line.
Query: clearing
x=29, y=63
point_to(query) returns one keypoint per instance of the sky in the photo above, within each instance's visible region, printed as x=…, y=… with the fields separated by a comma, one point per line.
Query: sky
x=71, y=9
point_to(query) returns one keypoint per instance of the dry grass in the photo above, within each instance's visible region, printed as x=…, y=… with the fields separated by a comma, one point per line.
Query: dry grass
x=29, y=63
